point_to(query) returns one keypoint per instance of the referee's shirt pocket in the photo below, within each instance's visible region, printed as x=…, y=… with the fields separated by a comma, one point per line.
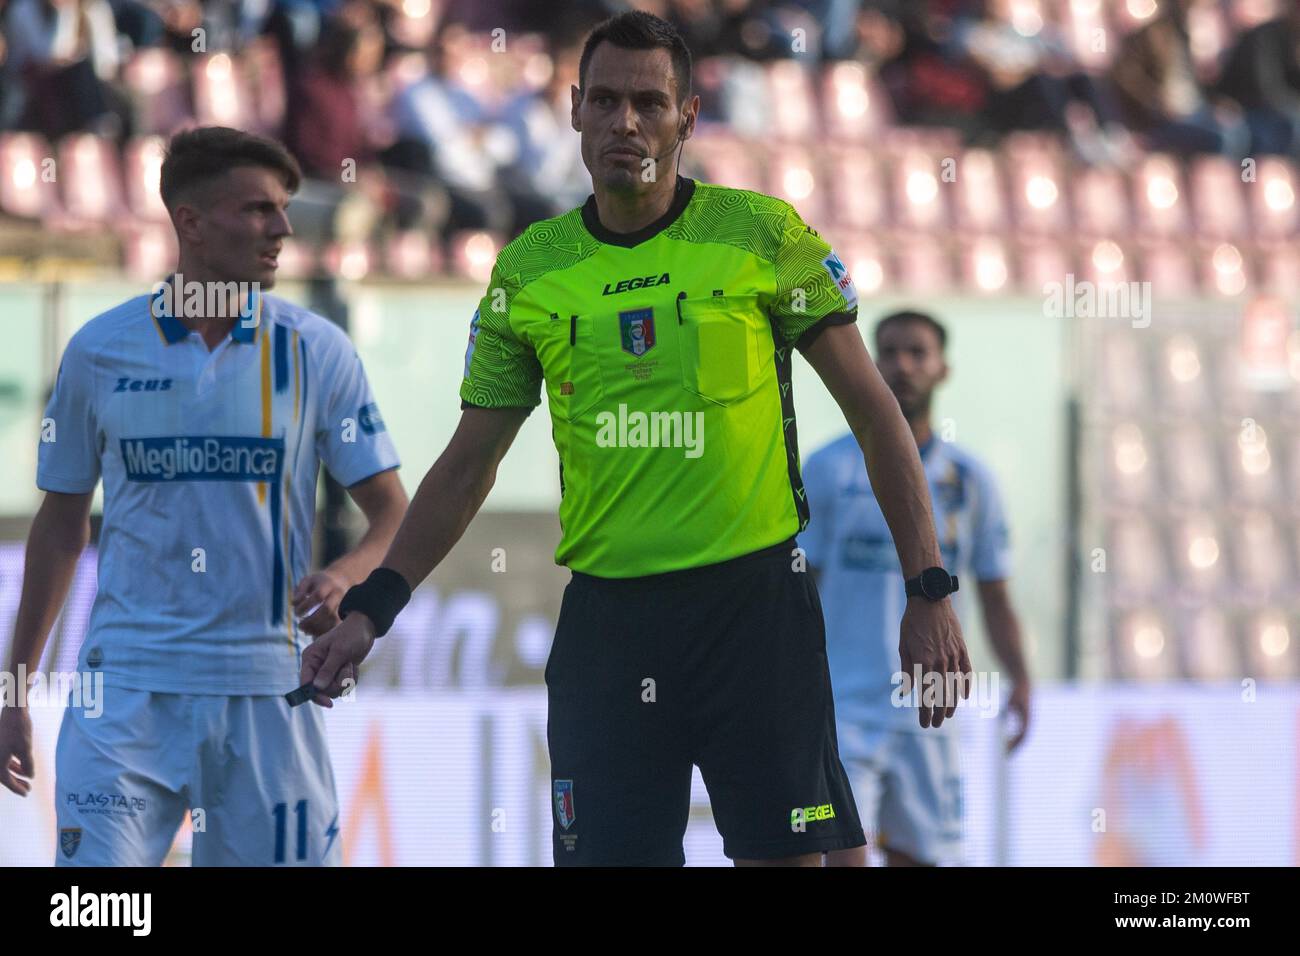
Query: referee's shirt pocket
x=725, y=346
x=566, y=348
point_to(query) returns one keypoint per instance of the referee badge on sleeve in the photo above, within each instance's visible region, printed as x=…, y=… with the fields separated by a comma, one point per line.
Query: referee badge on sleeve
x=839, y=274
x=473, y=336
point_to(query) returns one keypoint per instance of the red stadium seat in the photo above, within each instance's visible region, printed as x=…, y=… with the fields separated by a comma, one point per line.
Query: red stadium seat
x=1270, y=644
x=1130, y=464
x=923, y=264
x=1184, y=385
x=297, y=260
x=159, y=89
x=470, y=253
x=91, y=179
x=1273, y=199
x=1106, y=261
x=1134, y=567
x=353, y=260
x=28, y=177
x=1145, y=646
x=1187, y=450
x=867, y=263
x=1210, y=649
x=1038, y=200
x=1280, y=273
x=1101, y=203
x=1198, y=548
x=985, y=265
x=1252, y=465
x=411, y=255
x=980, y=203
x=727, y=160
x=149, y=249
x=143, y=161
x=794, y=113
x=1225, y=271
x=1169, y=267
x=920, y=185
x=854, y=106
x=1124, y=379
x=857, y=195
x=1218, y=205
x=1041, y=261
x=793, y=175
x=220, y=95
x=1160, y=197
x=1262, y=566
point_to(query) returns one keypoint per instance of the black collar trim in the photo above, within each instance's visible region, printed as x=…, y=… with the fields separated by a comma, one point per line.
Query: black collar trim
x=591, y=218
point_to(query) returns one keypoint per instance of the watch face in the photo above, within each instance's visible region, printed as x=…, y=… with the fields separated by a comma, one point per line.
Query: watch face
x=935, y=583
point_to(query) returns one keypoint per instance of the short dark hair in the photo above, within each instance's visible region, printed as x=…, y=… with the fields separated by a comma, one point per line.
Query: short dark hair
x=638, y=30
x=196, y=156
x=912, y=315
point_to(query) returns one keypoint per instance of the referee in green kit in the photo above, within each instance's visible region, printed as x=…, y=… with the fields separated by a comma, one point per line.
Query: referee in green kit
x=660, y=318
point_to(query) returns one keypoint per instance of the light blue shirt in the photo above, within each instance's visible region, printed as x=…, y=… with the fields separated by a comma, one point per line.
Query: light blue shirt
x=861, y=584
x=210, y=462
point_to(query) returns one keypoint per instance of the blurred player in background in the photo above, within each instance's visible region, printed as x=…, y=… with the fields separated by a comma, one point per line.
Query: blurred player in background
x=661, y=317
x=908, y=783
x=207, y=418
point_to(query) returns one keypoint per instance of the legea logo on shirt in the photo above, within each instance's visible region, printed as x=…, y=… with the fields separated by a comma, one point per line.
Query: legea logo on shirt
x=201, y=458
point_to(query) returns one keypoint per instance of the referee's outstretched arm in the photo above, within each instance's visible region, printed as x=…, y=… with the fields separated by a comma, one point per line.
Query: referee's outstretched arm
x=930, y=638
x=448, y=499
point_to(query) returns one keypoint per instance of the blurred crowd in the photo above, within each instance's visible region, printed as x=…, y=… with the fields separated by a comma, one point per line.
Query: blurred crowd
x=496, y=155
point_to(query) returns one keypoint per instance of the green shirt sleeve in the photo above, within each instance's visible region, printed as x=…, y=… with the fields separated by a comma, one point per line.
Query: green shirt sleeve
x=501, y=368
x=813, y=287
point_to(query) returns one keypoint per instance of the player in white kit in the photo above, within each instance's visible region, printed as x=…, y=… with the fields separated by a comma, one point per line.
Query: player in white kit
x=207, y=417
x=907, y=780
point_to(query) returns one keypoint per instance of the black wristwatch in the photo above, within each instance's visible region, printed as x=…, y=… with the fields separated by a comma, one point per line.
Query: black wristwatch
x=932, y=583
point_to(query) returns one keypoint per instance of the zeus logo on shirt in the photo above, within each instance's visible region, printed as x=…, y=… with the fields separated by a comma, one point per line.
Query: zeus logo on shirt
x=143, y=385
x=202, y=459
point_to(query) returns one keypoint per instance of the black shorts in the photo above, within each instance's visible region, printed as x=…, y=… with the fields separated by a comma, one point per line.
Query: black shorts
x=723, y=667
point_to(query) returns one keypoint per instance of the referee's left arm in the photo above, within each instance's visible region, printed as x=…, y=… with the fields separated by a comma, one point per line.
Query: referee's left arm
x=814, y=308
x=931, y=638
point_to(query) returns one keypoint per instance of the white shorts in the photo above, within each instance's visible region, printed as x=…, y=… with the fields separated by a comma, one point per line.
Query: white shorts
x=908, y=790
x=254, y=773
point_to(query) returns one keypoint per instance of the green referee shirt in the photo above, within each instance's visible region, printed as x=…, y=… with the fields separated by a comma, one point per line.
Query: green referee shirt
x=665, y=354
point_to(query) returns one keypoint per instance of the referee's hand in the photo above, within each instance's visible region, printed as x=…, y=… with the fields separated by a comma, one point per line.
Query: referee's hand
x=931, y=639
x=335, y=658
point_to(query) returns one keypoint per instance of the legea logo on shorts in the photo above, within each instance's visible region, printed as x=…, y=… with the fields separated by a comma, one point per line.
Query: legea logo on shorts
x=202, y=459
x=800, y=817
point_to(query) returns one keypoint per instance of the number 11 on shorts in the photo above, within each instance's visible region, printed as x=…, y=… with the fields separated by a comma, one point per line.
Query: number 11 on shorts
x=281, y=821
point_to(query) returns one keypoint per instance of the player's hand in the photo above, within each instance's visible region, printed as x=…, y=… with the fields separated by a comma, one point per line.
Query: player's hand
x=335, y=658
x=1018, y=706
x=319, y=594
x=16, y=764
x=930, y=639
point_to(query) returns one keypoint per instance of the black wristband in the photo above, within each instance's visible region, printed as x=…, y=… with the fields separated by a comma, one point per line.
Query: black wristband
x=380, y=597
